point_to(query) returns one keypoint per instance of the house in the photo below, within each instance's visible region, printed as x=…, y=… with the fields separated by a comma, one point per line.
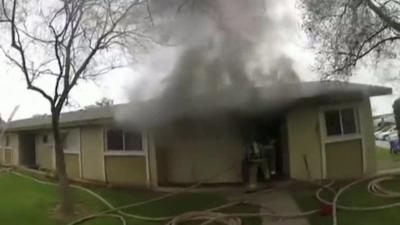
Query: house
x=384, y=120
x=320, y=130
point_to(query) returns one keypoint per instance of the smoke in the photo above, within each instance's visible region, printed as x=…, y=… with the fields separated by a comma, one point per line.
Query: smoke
x=217, y=55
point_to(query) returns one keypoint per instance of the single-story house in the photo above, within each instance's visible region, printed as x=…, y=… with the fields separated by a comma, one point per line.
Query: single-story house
x=384, y=120
x=321, y=130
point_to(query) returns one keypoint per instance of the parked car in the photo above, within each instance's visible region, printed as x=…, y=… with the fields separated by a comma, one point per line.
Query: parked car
x=384, y=134
x=392, y=136
x=381, y=129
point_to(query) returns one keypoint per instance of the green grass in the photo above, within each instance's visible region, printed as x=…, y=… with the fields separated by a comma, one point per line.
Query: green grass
x=385, y=160
x=25, y=202
x=357, y=196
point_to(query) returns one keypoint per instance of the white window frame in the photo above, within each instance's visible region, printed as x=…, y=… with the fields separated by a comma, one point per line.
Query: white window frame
x=357, y=109
x=134, y=152
x=342, y=136
x=5, y=145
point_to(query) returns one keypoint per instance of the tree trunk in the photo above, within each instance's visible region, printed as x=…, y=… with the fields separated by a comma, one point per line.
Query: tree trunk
x=66, y=207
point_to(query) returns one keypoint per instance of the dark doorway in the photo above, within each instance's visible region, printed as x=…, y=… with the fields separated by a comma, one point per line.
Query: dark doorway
x=27, y=148
x=270, y=132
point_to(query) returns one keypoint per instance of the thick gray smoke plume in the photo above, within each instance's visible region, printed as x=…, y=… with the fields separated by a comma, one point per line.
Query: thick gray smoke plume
x=217, y=54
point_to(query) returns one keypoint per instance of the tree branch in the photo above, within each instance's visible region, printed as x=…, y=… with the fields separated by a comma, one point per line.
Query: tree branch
x=377, y=44
x=16, y=44
x=389, y=21
x=369, y=39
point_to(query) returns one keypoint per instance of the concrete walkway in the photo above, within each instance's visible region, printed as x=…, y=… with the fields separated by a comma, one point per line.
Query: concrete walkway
x=276, y=201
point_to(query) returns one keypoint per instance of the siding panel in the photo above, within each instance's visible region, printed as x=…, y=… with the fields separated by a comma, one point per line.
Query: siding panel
x=304, y=141
x=44, y=151
x=193, y=151
x=344, y=159
x=92, y=150
x=128, y=170
x=72, y=165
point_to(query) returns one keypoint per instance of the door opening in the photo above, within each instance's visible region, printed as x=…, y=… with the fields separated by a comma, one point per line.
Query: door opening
x=27, y=150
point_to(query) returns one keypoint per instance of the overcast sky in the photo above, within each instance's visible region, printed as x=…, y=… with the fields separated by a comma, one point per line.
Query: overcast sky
x=116, y=84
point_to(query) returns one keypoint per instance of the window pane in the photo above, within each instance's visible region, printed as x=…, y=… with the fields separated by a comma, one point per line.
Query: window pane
x=45, y=139
x=65, y=137
x=7, y=140
x=332, y=122
x=114, y=139
x=348, y=121
x=133, y=141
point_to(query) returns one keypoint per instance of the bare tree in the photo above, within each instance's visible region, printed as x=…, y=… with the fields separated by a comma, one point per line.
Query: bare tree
x=57, y=43
x=347, y=31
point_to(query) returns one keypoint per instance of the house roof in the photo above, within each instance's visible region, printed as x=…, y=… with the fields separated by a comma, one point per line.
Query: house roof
x=320, y=88
x=266, y=96
x=388, y=118
x=84, y=116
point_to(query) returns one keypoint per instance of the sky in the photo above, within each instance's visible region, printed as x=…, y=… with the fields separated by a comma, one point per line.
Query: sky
x=118, y=83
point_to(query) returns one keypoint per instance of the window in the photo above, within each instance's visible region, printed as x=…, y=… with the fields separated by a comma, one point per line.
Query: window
x=133, y=140
x=115, y=140
x=45, y=139
x=120, y=140
x=7, y=140
x=65, y=140
x=341, y=122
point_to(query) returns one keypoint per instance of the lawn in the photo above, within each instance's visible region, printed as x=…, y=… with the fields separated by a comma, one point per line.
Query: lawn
x=385, y=160
x=25, y=202
x=357, y=196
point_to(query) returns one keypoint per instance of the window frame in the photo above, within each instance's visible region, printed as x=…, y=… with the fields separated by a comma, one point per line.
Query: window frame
x=122, y=152
x=7, y=141
x=342, y=136
x=6, y=145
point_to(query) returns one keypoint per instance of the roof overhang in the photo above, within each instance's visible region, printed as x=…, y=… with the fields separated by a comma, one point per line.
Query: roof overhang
x=239, y=100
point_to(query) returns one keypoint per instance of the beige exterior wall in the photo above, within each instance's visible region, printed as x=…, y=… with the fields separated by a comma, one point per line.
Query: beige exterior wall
x=193, y=151
x=14, y=144
x=10, y=154
x=3, y=149
x=92, y=153
x=8, y=157
x=45, y=151
x=72, y=142
x=304, y=142
x=72, y=165
x=126, y=170
x=344, y=159
x=306, y=131
x=2, y=155
x=72, y=152
x=366, y=124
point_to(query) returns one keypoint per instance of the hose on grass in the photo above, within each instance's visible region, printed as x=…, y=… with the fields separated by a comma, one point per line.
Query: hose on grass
x=374, y=188
x=208, y=216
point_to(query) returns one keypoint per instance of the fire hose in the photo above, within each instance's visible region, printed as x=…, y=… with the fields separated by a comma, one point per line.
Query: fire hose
x=210, y=215
x=374, y=188
x=206, y=215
